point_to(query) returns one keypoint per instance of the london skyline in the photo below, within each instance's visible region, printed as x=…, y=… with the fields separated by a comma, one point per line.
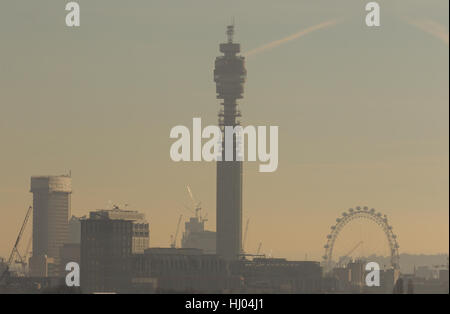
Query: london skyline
x=359, y=125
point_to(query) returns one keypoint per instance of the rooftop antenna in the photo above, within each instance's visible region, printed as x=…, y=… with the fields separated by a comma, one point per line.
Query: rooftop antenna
x=230, y=32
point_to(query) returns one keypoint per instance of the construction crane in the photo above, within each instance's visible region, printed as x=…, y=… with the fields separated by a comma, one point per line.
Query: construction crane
x=245, y=234
x=342, y=258
x=197, y=204
x=15, y=251
x=174, y=238
x=259, y=248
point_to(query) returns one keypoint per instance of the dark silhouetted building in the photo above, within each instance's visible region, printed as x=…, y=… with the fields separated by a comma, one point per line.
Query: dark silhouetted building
x=181, y=270
x=278, y=275
x=108, y=239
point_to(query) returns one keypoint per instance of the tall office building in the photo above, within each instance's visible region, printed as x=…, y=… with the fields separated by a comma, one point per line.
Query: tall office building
x=229, y=75
x=108, y=240
x=51, y=212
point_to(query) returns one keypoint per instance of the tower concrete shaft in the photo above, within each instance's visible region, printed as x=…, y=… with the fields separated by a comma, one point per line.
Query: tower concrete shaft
x=229, y=76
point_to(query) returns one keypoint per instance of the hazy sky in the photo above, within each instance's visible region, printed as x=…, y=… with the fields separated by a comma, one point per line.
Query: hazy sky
x=362, y=113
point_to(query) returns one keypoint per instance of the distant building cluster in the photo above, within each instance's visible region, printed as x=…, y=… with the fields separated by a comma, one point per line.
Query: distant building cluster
x=112, y=246
x=351, y=278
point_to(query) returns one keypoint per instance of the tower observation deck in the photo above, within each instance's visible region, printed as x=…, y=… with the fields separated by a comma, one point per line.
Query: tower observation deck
x=229, y=76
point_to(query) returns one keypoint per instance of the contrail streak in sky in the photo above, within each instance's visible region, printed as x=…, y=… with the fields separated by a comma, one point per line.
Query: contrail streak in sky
x=437, y=30
x=299, y=34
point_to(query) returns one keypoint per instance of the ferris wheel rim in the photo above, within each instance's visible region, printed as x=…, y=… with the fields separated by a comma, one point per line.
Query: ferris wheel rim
x=363, y=213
